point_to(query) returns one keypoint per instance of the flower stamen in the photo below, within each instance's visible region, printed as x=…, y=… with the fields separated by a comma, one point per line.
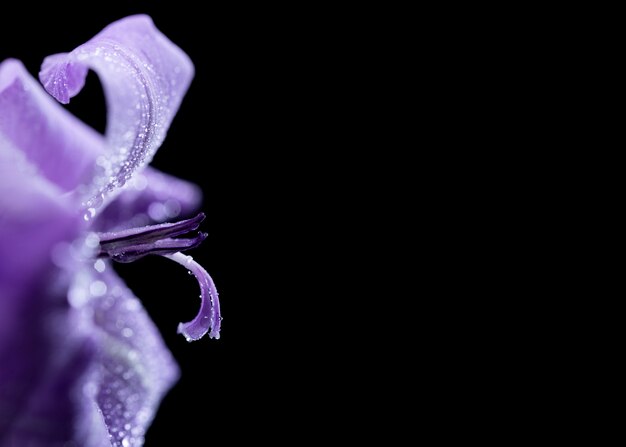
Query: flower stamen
x=135, y=243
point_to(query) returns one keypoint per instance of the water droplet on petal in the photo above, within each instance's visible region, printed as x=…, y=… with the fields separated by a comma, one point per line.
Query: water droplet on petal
x=172, y=208
x=157, y=211
x=92, y=240
x=98, y=288
x=140, y=182
x=89, y=214
x=99, y=265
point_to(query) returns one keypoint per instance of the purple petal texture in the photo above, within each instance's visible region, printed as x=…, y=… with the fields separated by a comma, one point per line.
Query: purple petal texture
x=28, y=204
x=135, y=369
x=42, y=364
x=45, y=403
x=61, y=147
x=144, y=77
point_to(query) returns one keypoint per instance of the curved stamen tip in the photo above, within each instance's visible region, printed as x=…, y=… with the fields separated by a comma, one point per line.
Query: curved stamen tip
x=208, y=319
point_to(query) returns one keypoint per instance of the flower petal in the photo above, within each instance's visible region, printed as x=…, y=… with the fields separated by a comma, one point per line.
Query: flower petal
x=34, y=217
x=43, y=353
x=151, y=196
x=59, y=358
x=208, y=318
x=135, y=368
x=60, y=146
x=144, y=77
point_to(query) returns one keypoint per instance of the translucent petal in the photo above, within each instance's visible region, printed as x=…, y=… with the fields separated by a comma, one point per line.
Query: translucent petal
x=62, y=148
x=144, y=77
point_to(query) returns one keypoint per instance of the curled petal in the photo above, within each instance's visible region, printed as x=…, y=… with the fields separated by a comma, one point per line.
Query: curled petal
x=61, y=148
x=144, y=77
x=208, y=319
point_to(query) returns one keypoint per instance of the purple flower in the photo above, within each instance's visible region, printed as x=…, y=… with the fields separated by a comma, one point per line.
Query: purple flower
x=81, y=363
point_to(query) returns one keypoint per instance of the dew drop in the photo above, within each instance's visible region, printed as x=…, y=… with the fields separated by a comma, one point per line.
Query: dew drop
x=89, y=214
x=172, y=208
x=97, y=202
x=157, y=211
x=99, y=265
x=140, y=182
x=77, y=296
x=98, y=288
x=92, y=240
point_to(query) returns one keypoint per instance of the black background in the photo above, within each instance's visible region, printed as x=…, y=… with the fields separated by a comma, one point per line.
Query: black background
x=240, y=115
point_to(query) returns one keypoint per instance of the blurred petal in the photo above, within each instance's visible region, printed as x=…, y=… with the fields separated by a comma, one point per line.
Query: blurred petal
x=34, y=217
x=43, y=354
x=144, y=76
x=135, y=368
x=57, y=358
x=60, y=146
x=151, y=196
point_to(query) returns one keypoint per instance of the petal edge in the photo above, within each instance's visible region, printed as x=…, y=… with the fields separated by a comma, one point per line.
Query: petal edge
x=144, y=76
